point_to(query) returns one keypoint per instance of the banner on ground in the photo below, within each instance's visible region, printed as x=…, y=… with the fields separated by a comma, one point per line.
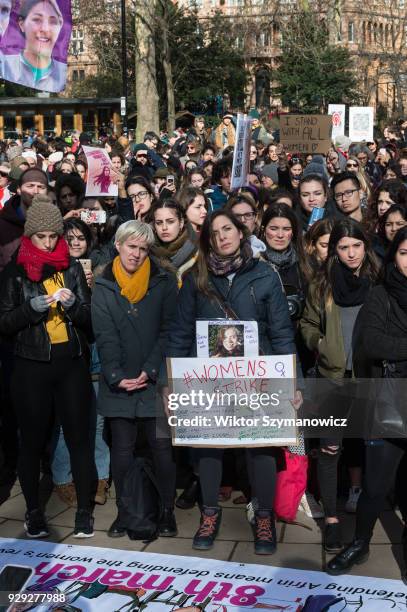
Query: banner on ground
x=232, y=401
x=241, y=153
x=361, y=120
x=81, y=578
x=306, y=133
x=102, y=178
x=337, y=112
x=34, y=43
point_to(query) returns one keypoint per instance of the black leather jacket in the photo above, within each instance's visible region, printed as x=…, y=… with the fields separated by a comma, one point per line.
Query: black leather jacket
x=26, y=328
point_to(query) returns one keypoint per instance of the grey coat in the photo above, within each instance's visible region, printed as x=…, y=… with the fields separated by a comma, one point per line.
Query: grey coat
x=131, y=338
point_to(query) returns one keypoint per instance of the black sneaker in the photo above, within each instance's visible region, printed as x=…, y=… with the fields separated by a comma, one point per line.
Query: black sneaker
x=332, y=538
x=190, y=495
x=356, y=553
x=208, y=528
x=83, y=524
x=265, y=540
x=167, y=527
x=35, y=524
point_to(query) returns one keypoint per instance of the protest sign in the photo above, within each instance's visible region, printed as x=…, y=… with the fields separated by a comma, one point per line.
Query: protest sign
x=337, y=112
x=103, y=580
x=26, y=58
x=102, y=178
x=306, y=133
x=241, y=153
x=235, y=401
x=227, y=338
x=361, y=123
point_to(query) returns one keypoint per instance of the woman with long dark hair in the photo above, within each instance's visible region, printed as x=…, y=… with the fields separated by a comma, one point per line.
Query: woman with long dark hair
x=327, y=325
x=227, y=272
x=383, y=322
x=175, y=247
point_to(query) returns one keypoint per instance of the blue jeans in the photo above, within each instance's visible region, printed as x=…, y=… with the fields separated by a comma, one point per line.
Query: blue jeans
x=61, y=465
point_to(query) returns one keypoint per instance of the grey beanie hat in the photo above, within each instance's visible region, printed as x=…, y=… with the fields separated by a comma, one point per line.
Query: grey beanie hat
x=270, y=170
x=43, y=216
x=317, y=166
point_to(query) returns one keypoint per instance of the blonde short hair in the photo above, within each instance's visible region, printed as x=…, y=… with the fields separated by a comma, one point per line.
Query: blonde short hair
x=135, y=229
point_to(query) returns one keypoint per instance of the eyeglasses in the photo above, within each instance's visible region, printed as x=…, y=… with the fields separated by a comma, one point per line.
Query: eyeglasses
x=348, y=193
x=141, y=155
x=245, y=216
x=139, y=196
x=352, y=165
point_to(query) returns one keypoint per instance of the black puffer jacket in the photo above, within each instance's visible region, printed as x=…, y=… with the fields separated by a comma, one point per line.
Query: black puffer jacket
x=26, y=328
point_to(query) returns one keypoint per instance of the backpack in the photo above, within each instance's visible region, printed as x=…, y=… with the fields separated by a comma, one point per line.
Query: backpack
x=140, y=505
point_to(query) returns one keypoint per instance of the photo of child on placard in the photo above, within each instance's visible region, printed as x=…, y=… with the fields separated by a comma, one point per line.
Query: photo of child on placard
x=226, y=340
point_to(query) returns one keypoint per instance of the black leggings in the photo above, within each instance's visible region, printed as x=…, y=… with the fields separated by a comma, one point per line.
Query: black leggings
x=261, y=466
x=328, y=468
x=39, y=389
x=124, y=436
x=382, y=461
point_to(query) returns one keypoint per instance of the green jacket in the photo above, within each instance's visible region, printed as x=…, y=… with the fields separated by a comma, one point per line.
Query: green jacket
x=321, y=329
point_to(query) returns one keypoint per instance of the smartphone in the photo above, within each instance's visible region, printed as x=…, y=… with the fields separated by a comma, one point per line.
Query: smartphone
x=86, y=265
x=383, y=151
x=93, y=216
x=13, y=578
x=170, y=180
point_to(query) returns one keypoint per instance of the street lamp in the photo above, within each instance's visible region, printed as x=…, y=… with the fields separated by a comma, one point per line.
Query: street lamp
x=123, y=101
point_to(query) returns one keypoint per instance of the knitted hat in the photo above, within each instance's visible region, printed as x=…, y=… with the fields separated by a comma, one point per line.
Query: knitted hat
x=270, y=170
x=254, y=113
x=138, y=148
x=17, y=161
x=317, y=166
x=14, y=151
x=43, y=216
x=34, y=175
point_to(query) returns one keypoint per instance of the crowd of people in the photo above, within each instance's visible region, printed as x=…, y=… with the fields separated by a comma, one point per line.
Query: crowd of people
x=313, y=248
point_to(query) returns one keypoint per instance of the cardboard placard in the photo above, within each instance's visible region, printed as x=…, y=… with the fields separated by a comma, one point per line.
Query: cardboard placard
x=306, y=133
x=230, y=402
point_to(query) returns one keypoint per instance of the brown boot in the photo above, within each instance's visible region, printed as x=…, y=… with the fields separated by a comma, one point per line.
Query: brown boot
x=66, y=493
x=101, y=492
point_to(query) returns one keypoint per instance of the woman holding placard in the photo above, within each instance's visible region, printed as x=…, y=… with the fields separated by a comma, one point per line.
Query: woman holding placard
x=225, y=279
x=45, y=312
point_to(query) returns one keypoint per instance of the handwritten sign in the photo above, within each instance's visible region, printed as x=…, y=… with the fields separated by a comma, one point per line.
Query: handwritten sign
x=337, y=112
x=306, y=133
x=237, y=401
x=102, y=179
x=227, y=338
x=361, y=120
x=241, y=153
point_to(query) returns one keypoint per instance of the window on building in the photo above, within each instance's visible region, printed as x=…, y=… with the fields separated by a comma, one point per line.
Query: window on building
x=75, y=76
x=339, y=35
x=81, y=75
x=351, y=32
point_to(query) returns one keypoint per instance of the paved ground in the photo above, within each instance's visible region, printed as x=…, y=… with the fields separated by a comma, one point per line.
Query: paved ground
x=299, y=544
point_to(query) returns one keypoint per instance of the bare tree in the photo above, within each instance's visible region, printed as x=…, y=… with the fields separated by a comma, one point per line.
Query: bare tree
x=146, y=76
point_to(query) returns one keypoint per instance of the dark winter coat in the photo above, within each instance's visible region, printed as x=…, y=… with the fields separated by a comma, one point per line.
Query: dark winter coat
x=255, y=293
x=131, y=338
x=11, y=230
x=383, y=330
x=26, y=328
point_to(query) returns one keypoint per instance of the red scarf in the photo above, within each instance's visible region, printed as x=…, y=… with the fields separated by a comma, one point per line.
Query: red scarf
x=33, y=259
